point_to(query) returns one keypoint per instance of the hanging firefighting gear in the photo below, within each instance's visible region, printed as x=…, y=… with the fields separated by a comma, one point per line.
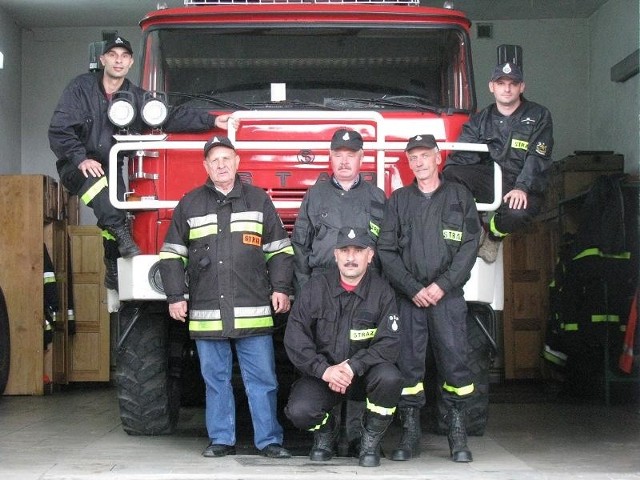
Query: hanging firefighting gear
x=51, y=300
x=591, y=290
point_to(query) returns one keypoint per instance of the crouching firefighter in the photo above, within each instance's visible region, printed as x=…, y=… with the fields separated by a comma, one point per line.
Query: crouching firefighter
x=343, y=334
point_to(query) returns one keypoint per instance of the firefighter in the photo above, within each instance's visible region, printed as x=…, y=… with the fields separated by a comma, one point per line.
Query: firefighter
x=519, y=134
x=344, y=199
x=343, y=335
x=228, y=238
x=427, y=247
x=81, y=135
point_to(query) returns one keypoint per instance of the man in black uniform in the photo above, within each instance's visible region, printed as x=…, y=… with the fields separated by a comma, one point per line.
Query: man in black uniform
x=427, y=247
x=519, y=134
x=342, y=334
x=81, y=136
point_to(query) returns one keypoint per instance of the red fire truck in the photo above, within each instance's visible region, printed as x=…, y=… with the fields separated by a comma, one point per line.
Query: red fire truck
x=292, y=72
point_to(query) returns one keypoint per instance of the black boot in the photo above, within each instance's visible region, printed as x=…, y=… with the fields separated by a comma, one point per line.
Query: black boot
x=324, y=441
x=126, y=246
x=458, y=437
x=409, y=446
x=111, y=273
x=372, y=433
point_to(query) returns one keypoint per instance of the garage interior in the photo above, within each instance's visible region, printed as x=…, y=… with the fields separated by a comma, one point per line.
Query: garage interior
x=546, y=419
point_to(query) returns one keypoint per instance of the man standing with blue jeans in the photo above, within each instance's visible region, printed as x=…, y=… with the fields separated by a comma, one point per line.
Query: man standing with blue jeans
x=227, y=237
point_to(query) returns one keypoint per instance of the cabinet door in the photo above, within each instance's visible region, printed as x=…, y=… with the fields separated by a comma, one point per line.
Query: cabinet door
x=89, y=346
x=528, y=262
x=21, y=263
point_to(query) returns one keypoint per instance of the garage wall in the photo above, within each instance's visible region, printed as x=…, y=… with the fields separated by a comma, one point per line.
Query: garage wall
x=614, y=106
x=10, y=95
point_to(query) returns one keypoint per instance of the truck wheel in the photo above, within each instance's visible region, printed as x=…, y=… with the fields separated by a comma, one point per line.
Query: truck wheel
x=148, y=395
x=480, y=356
x=5, y=343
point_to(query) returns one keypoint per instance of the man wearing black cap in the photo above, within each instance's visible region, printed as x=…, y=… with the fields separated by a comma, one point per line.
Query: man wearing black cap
x=427, y=247
x=519, y=134
x=237, y=254
x=343, y=199
x=81, y=136
x=342, y=334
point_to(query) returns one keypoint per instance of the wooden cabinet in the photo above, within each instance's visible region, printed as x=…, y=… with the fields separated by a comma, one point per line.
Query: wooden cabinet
x=34, y=211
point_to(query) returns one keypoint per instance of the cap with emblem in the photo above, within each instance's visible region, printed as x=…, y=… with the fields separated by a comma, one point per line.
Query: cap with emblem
x=508, y=70
x=425, y=140
x=353, y=237
x=218, y=141
x=344, y=138
x=118, y=42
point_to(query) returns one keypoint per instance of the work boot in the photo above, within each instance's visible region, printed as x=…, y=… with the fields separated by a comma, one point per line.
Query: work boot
x=488, y=251
x=111, y=273
x=372, y=433
x=409, y=446
x=324, y=441
x=126, y=246
x=457, y=437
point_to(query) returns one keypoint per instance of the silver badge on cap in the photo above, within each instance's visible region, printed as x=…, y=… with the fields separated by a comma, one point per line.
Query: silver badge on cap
x=506, y=69
x=351, y=234
x=346, y=137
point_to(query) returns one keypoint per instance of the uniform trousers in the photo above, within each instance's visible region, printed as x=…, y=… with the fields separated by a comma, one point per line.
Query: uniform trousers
x=444, y=327
x=311, y=398
x=479, y=180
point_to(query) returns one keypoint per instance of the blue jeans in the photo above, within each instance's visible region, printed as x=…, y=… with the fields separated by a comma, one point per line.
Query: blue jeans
x=257, y=366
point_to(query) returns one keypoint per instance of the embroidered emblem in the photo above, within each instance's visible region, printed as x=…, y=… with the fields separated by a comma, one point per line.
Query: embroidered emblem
x=541, y=148
x=393, y=322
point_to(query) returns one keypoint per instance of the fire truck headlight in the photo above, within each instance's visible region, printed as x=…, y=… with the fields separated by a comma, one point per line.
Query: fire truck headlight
x=154, y=109
x=121, y=110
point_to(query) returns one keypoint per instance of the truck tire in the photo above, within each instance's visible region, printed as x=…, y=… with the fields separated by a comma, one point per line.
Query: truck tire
x=148, y=395
x=5, y=343
x=480, y=332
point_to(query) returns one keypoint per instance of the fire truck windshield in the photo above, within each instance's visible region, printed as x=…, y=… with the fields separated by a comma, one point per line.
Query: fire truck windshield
x=344, y=67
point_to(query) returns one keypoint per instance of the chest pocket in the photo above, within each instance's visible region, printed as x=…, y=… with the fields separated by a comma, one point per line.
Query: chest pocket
x=452, y=223
x=363, y=327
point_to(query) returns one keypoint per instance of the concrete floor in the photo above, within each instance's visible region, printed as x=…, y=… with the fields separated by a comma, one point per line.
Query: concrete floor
x=76, y=434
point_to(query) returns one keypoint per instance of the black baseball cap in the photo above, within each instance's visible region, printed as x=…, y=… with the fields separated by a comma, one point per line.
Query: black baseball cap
x=509, y=70
x=424, y=140
x=343, y=138
x=218, y=141
x=353, y=237
x=118, y=42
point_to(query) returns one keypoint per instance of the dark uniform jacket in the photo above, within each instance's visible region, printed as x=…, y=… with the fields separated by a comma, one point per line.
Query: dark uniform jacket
x=325, y=209
x=520, y=143
x=80, y=127
x=429, y=240
x=328, y=325
x=236, y=252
